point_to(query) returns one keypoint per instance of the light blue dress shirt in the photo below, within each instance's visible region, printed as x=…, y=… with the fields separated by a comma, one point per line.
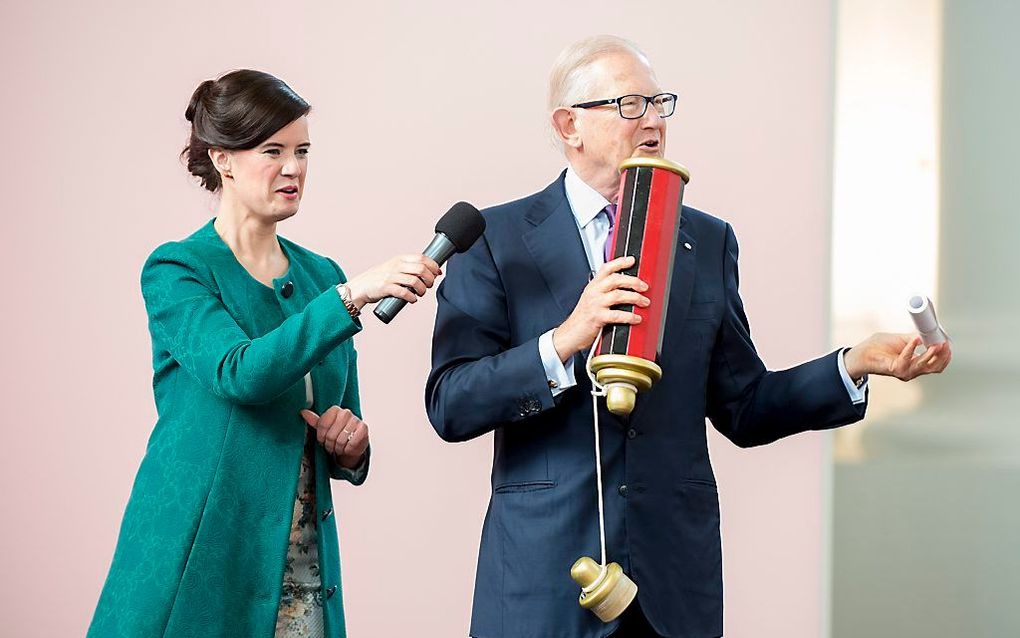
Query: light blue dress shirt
x=587, y=204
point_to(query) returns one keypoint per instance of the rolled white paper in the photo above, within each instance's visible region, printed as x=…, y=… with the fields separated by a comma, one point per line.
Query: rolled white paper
x=922, y=311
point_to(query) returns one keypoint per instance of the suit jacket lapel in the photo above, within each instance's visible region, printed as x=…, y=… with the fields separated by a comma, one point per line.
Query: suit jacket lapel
x=682, y=284
x=555, y=246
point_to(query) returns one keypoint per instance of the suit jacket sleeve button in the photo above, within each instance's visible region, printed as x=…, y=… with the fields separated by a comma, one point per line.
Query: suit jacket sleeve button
x=330, y=592
x=327, y=513
x=531, y=405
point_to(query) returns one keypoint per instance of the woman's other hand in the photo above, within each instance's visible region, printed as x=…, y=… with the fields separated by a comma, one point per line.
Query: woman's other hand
x=342, y=433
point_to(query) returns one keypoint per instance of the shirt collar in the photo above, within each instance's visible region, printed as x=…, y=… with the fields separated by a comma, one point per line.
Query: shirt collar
x=585, y=202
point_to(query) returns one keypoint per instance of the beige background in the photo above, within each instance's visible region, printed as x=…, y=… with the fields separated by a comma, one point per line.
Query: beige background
x=415, y=106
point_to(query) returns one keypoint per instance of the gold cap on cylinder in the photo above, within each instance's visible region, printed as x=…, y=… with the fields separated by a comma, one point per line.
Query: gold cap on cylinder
x=657, y=162
x=606, y=594
x=623, y=377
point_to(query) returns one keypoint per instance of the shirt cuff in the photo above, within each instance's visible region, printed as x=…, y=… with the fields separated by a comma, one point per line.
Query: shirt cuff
x=857, y=394
x=356, y=475
x=560, y=376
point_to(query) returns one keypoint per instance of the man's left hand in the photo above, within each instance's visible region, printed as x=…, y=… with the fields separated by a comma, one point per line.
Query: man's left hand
x=892, y=355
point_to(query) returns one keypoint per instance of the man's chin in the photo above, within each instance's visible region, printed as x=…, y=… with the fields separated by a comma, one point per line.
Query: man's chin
x=648, y=152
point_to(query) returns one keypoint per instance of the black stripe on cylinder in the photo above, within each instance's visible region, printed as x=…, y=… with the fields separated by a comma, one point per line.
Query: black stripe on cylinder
x=622, y=224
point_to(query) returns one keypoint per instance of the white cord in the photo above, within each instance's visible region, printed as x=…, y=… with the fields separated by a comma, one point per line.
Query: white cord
x=597, y=390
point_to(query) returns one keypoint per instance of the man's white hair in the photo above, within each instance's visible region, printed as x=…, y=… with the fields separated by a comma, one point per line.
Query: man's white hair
x=571, y=81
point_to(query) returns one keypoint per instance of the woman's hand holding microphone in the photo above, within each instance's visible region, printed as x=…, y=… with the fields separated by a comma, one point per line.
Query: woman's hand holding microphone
x=406, y=277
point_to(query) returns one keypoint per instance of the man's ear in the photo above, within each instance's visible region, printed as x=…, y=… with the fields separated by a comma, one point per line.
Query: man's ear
x=565, y=125
x=221, y=161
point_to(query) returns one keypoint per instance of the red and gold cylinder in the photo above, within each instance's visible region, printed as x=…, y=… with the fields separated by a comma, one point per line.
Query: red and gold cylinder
x=647, y=222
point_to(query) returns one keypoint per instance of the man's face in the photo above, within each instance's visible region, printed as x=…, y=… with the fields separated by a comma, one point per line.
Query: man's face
x=606, y=138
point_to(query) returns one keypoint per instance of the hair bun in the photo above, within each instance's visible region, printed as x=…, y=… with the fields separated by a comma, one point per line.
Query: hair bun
x=196, y=99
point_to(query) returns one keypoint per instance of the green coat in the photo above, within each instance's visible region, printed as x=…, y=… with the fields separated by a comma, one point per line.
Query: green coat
x=204, y=539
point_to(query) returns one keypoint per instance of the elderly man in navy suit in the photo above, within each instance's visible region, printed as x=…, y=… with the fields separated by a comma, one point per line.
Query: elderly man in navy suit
x=517, y=313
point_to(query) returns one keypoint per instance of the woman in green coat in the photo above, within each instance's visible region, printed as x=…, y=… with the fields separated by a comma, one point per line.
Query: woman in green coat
x=230, y=529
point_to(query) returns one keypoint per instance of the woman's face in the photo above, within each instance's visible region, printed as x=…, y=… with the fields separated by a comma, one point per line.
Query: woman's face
x=269, y=179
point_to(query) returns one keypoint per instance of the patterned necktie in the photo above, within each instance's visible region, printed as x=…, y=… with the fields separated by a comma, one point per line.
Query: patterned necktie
x=610, y=211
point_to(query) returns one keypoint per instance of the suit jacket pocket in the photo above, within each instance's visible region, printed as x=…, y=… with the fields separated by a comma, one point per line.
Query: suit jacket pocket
x=698, y=482
x=702, y=310
x=523, y=486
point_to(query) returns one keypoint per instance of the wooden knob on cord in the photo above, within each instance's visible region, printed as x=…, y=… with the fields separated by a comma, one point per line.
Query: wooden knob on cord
x=607, y=594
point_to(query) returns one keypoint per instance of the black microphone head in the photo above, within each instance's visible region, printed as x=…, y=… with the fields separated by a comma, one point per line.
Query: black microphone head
x=462, y=225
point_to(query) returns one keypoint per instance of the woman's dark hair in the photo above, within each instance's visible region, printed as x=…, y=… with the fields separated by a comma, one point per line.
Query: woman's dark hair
x=238, y=111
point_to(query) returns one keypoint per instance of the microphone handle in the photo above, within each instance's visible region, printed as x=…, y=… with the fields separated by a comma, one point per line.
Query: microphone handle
x=439, y=249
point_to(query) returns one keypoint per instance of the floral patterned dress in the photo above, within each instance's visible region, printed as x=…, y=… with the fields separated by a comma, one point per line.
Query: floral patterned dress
x=300, y=612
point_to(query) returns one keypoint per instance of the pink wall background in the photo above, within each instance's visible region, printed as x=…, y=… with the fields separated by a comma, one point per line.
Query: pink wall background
x=415, y=106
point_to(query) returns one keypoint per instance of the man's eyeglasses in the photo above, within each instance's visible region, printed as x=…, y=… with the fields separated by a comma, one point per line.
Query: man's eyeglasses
x=633, y=107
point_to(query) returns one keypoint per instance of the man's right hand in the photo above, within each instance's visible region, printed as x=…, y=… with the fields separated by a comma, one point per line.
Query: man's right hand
x=594, y=310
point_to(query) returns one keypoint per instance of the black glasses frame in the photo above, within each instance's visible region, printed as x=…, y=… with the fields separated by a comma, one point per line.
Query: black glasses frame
x=619, y=107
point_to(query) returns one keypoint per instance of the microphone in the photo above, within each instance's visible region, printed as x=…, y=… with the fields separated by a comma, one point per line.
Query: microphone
x=456, y=231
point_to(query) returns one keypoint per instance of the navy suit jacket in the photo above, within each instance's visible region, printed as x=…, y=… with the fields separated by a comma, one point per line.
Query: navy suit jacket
x=523, y=278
